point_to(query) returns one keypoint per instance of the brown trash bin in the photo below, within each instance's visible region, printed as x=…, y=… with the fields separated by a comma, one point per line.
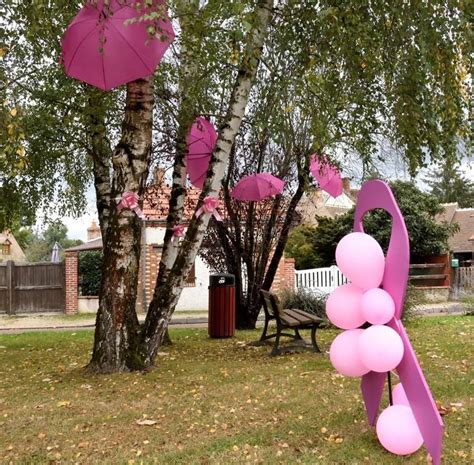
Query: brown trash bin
x=221, y=305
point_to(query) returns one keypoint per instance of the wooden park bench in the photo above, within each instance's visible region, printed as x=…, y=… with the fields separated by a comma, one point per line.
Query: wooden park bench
x=293, y=319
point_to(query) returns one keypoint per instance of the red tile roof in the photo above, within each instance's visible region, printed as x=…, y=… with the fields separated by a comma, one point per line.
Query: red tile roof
x=156, y=203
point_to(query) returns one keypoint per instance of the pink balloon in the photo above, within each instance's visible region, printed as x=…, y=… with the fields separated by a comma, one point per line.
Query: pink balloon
x=361, y=260
x=377, y=306
x=398, y=396
x=380, y=348
x=343, y=307
x=398, y=431
x=344, y=355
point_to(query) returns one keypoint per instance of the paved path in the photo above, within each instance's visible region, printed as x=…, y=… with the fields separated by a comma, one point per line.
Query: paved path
x=59, y=322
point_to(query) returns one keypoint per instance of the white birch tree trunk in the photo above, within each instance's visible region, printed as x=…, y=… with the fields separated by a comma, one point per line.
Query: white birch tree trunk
x=168, y=291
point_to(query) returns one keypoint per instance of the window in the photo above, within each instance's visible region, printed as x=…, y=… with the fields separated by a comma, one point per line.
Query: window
x=6, y=248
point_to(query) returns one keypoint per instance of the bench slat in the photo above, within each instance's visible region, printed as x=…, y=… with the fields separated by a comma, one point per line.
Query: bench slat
x=303, y=319
x=310, y=316
x=289, y=320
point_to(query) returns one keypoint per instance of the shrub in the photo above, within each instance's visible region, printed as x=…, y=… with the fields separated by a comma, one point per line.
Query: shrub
x=90, y=272
x=306, y=300
x=468, y=301
x=413, y=299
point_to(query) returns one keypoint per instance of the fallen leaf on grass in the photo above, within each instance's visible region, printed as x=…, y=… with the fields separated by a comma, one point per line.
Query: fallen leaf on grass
x=146, y=422
x=453, y=407
x=64, y=403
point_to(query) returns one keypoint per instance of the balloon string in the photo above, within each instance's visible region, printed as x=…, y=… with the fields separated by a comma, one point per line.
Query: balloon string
x=389, y=379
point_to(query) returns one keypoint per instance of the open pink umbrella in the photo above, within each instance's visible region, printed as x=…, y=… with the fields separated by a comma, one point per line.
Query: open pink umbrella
x=202, y=139
x=100, y=49
x=327, y=175
x=257, y=187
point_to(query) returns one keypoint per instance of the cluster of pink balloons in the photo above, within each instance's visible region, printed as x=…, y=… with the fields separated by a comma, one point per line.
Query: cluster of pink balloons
x=379, y=348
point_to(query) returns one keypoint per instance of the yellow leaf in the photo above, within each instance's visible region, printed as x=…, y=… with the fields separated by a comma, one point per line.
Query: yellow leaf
x=3, y=52
x=13, y=112
x=64, y=403
x=21, y=151
x=146, y=422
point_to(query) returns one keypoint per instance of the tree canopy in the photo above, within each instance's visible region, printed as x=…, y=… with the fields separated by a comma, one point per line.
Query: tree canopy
x=448, y=184
x=38, y=247
x=371, y=69
x=428, y=236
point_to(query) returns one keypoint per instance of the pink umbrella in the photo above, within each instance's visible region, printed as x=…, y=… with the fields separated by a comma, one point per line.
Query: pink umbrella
x=100, y=49
x=257, y=187
x=202, y=139
x=327, y=175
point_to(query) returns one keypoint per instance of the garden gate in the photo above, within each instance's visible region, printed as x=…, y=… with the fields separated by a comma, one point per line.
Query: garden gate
x=31, y=287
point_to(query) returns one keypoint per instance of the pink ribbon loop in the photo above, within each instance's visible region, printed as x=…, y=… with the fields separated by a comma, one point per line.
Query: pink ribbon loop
x=178, y=232
x=210, y=205
x=129, y=200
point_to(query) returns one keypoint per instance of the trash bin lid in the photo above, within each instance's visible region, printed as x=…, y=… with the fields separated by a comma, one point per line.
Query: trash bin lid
x=221, y=279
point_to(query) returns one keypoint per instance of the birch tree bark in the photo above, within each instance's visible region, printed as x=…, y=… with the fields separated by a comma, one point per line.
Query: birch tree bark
x=168, y=290
x=101, y=155
x=117, y=326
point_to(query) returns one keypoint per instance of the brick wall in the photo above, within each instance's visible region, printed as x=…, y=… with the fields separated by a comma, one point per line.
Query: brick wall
x=153, y=255
x=71, y=265
x=285, y=275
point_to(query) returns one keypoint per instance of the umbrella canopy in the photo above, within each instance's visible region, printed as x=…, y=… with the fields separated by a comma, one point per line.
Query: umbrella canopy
x=100, y=49
x=55, y=253
x=202, y=139
x=257, y=187
x=327, y=176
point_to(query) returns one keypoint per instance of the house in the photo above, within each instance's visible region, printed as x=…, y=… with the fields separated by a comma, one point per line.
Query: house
x=155, y=208
x=10, y=249
x=461, y=243
x=319, y=203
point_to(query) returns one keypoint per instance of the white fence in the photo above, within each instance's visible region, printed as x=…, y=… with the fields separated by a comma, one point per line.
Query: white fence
x=320, y=279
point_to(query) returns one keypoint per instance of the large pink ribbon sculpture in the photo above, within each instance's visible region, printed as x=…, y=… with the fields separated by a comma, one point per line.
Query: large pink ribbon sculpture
x=377, y=194
x=129, y=200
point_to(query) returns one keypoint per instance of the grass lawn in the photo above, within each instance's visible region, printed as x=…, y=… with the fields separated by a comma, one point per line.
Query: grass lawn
x=215, y=402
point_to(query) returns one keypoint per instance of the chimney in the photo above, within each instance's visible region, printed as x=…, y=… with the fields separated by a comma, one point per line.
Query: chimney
x=93, y=231
x=159, y=176
x=346, y=185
